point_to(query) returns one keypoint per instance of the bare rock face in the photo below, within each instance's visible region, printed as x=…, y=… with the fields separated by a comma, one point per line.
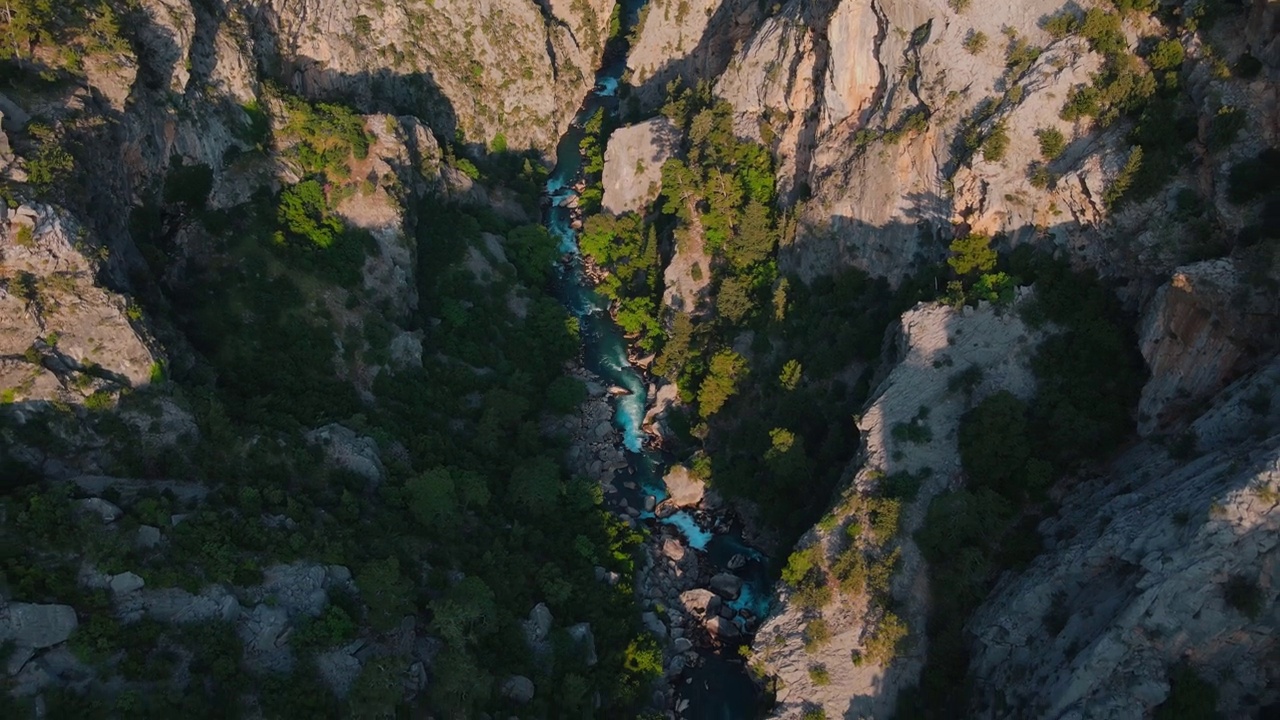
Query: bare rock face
x=930, y=336
x=685, y=39
x=1196, y=337
x=36, y=626
x=1160, y=561
x=863, y=102
x=64, y=337
x=513, y=68
x=633, y=164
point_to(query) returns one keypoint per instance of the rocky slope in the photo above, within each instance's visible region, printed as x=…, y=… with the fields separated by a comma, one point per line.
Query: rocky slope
x=915, y=391
x=1159, y=561
x=195, y=246
x=902, y=124
x=66, y=338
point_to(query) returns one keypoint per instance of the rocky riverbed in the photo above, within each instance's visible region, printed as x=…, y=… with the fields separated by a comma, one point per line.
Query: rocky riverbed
x=694, y=603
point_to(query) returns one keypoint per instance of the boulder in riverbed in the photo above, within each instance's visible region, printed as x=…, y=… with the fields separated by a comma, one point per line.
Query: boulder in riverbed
x=654, y=625
x=685, y=489
x=673, y=549
x=696, y=601
x=727, y=584
x=722, y=628
x=586, y=642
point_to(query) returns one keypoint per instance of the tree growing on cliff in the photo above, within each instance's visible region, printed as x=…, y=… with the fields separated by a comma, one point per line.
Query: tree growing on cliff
x=727, y=368
x=972, y=255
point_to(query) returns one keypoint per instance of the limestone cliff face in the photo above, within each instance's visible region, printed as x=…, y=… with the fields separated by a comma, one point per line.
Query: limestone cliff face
x=64, y=337
x=930, y=337
x=475, y=71
x=685, y=40
x=1202, y=329
x=511, y=67
x=1160, y=560
x=866, y=104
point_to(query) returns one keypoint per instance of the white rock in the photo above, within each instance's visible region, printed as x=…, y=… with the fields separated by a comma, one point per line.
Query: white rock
x=37, y=626
x=126, y=582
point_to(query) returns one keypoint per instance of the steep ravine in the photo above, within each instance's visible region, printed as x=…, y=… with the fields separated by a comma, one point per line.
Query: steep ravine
x=696, y=559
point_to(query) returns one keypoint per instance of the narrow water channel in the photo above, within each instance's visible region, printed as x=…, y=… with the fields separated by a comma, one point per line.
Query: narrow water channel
x=718, y=687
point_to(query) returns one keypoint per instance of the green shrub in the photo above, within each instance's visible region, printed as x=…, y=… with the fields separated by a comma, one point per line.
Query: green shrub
x=51, y=165
x=887, y=641
x=1061, y=24
x=994, y=444
x=99, y=401
x=1244, y=595
x=332, y=628
x=1118, y=187
x=972, y=254
x=1250, y=179
x=304, y=217
x=565, y=395
x=325, y=136
x=1227, y=122
x=816, y=634
x=996, y=143
x=1052, y=143
x=1102, y=30
x=819, y=675
x=1167, y=55
x=24, y=236
x=975, y=42
x=727, y=368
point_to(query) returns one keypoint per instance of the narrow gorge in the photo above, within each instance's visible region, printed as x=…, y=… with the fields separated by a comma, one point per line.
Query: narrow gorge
x=683, y=359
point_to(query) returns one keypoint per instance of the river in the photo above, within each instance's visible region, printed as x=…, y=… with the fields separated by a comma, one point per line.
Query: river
x=718, y=687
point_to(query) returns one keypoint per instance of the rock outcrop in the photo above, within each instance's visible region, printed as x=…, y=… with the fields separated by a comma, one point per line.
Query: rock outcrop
x=511, y=69
x=864, y=103
x=683, y=40
x=33, y=626
x=633, y=164
x=685, y=489
x=930, y=337
x=1202, y=329
x=1159, y=561
x=65, y=337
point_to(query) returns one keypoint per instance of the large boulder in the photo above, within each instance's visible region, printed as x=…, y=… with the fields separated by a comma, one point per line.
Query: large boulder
x=350, y=451
x=696, y=601
x=109, y=512
x=126, y=582
x=36, y=626
x=538, y=626
x=727, y=584
x=518, y=688
x=585, y=641
x=722, y=628
x=684, y=489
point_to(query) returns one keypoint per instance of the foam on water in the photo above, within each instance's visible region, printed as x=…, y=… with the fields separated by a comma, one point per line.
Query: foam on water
x=683, y=521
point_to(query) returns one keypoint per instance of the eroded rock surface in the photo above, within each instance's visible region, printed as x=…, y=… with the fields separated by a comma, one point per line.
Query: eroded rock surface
x=1158, y=561
x=633, y=164
x=930, y=336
